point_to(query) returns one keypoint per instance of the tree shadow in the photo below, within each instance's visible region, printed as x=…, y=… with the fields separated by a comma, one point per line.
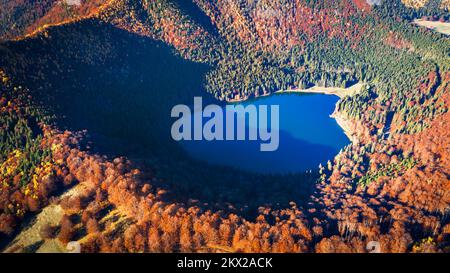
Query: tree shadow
x=196, y=14
x=121, y=88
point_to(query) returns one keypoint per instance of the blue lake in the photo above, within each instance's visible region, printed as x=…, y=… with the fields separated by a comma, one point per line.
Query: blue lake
x=308, y=136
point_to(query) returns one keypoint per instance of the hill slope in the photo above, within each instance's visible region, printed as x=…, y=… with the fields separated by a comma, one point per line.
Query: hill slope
x=391, y=184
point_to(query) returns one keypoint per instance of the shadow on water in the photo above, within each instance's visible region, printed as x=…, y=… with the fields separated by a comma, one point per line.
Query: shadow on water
x=121, y=88
x=293, y=155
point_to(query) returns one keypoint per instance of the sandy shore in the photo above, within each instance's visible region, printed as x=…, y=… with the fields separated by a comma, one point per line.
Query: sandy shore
x=345, y=124
x=340, y=92
x=336, y=91
x=441, y=27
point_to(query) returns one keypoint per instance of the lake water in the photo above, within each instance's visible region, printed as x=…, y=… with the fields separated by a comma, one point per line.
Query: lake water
x=308, y=137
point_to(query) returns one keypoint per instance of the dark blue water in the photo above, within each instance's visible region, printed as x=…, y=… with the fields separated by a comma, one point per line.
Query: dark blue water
x=308, y=137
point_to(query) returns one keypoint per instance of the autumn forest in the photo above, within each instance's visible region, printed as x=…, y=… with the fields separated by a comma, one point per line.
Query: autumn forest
x=70, y=73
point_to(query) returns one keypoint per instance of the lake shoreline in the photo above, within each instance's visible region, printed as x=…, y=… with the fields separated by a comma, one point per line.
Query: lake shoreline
x=344, y=123
x=440, y=27
x=335, y=91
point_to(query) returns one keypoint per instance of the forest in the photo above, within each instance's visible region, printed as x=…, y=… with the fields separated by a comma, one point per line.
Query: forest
x=391, y=184
x=328, y=51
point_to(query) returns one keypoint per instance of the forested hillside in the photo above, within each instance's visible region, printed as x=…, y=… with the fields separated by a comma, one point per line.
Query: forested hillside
x=260, y=48
x=22, y=17
x=391, y=184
